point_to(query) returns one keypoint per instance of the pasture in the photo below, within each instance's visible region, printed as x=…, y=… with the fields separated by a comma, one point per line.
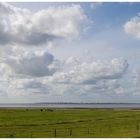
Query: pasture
x=69, y=123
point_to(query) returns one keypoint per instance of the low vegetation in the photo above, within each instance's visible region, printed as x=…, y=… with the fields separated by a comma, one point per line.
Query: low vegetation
x=69, y=123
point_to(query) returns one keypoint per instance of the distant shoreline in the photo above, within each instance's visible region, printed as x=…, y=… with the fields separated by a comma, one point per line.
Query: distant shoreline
x=73, y=105
x=65, y=103
x=54, y=108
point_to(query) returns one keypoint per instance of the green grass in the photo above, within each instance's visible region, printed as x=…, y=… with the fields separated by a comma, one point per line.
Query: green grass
x=69, y=123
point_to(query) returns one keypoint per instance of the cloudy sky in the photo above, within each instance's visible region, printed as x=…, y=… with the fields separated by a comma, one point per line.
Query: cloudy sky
x=69, y=52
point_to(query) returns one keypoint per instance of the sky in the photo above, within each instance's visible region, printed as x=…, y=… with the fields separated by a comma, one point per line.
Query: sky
x=70, y=52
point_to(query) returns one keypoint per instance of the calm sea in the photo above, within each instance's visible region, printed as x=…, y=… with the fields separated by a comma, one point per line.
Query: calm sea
x=73, y=105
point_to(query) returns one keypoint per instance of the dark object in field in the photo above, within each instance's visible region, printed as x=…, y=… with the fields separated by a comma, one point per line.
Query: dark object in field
x=137, y=127
x=11, y=136
x=50, y=110
x=70, y=132
x=88, y=130
x=54, y=132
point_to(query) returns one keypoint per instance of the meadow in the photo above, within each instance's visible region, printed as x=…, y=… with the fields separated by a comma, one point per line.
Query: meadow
x=69, y=123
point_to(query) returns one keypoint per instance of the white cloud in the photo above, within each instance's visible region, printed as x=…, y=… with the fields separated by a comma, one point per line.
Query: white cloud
x=89, y=73
x=39, y=72
x=26, y=71
x=35, y=28
x=132, y=26
x=120, y=90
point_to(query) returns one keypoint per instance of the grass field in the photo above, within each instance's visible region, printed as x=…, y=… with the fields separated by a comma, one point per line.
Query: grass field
x=69, y=123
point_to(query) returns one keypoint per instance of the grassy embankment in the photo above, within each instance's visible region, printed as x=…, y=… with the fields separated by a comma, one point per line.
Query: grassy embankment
x=72, y=123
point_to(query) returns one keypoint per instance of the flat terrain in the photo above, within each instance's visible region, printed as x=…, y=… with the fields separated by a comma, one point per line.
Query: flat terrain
x=38, y=123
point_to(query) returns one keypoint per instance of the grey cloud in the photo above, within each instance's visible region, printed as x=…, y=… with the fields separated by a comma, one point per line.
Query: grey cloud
x=32, y=64
x=38, y=38
x=5, y=38
x=30, y=86
x=34, y=38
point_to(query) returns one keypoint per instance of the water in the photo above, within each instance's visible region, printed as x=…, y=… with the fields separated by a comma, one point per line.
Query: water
x=72, y=105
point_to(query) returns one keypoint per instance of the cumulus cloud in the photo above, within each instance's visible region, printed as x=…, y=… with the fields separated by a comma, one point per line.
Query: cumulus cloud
x=39, y=72
x=90, y=73
x=132, y=26
x=36, y=64
x=30, y=86
x=25, y=70
x=35, y=28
